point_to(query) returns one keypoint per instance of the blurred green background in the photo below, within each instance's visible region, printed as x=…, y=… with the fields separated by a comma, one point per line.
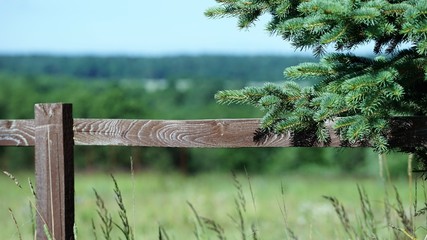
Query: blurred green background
x=174, y=87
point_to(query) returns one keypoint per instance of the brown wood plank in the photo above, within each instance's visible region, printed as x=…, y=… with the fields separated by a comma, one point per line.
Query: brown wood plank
x=221, y=133
x=16, y=132
x=54, y=170
x=409, y=131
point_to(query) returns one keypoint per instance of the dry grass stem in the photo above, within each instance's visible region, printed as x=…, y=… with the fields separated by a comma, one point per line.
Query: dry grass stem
x=199, y=228
x=163, y=235
x=125, y=227
x=12, y=215
x=240, y=194
x=406, y=233
x=95, y=236
x=33, y=192
x=46, y=232
x=368, y=222
x=404, y=219
x=75, y=231
x=251, y=190
x=288, y=231
x=32, y=218
x=342, y=215
x=254, y=232
x=240, y=204
x=105, y=216
x=132, y=173
x=215, y=227
x=13, y=178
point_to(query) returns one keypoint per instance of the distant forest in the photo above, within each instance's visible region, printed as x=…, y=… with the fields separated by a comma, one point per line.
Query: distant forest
x=242, y=68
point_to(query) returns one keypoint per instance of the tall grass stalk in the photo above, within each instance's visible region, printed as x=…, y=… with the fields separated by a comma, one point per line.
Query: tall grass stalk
x=240, y=204
x=254, y=232
x=95, y=236
x=75, y=231
x=369, y=228
x=46, y=232
x=199, y=230
x=404, y=219
x=32, y=205
x=423, y=210
x=132, y=174
x=124, y=226
x=288, y=231
x=251, y=190
x=45, y=227
x=425, y=200
x=382, y=159
x=202, y=223
x=13, y=178
x=410, y=187
x=32, y=208
x=163, y=235
x=105, y=216
x=343, y=217
x=240, y=221
x=32, y=219
x=240, y=194
x=254, y=227
x=15, y=223
x=215, y=227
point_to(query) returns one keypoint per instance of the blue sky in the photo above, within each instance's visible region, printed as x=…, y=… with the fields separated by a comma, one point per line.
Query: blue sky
x=131, y=27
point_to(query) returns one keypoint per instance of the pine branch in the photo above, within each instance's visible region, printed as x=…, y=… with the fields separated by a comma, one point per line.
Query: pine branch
x=360, y=92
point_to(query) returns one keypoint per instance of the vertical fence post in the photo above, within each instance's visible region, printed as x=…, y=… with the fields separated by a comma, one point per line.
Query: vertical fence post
x=54, y=170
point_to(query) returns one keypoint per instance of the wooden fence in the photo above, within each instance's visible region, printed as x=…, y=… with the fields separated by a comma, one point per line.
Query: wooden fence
x=54, y=132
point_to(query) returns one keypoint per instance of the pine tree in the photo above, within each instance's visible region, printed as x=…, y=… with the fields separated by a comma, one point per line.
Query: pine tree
x=360, y=93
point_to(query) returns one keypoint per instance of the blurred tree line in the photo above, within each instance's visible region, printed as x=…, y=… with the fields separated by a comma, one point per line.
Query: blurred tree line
x=179, y=87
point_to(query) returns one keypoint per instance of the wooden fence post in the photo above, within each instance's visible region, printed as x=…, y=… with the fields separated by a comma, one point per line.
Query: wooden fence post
x=54, y=169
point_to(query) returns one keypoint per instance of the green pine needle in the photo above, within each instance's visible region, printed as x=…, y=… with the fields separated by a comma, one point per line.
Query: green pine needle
x=357, y=92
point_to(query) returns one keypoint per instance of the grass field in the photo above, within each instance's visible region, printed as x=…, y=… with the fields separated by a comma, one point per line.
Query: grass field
x=155, y=199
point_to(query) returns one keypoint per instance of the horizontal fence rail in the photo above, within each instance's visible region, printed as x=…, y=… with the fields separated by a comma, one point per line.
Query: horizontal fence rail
x=17, y=133
x=218, y=133
x=54, y=132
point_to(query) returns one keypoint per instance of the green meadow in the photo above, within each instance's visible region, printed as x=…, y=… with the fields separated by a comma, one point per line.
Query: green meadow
x=274, y=204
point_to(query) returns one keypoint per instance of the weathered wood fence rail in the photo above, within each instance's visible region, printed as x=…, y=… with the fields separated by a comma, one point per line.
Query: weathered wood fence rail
x=54, y=132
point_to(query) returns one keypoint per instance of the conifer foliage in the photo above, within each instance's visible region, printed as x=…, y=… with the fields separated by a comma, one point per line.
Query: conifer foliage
x=360, y=93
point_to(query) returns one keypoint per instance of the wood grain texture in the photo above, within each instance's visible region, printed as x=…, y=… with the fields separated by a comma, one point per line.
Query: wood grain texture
x=223, y=133
x=54, y=170
x=17, y=133
x=169, y=133
x=219, y=133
